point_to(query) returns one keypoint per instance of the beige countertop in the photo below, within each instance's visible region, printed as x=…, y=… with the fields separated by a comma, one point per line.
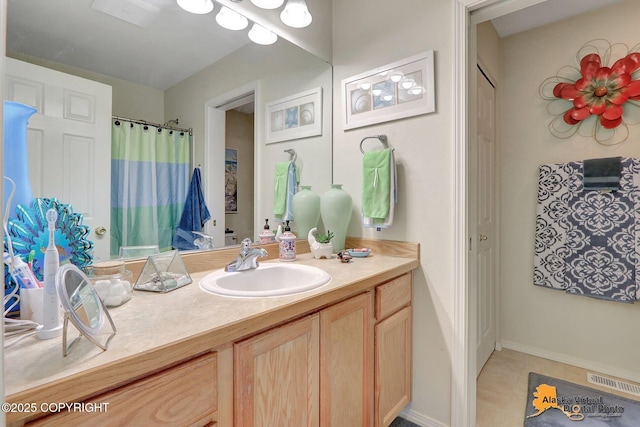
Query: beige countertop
x=157, y=330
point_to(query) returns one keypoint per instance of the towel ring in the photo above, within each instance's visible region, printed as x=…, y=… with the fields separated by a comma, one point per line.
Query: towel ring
x=292, y=153
x=381, y=138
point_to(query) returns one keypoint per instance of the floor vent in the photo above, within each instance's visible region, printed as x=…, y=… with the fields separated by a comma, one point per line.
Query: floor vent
x=614, y=384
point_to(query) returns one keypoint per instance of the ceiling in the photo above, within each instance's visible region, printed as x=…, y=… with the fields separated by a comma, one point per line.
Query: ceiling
x=164, y=46
x=544, y=13
x=157, y=44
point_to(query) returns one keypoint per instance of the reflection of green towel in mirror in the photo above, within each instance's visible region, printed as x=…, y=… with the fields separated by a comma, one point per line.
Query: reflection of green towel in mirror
x=280, y=188
x=376, y=175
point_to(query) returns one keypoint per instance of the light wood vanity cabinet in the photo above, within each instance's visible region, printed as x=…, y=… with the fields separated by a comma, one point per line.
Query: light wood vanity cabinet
x=277, y=376
x=348, y=364
x=184, y=395
x=310, y=372
x=393, y=337
x=328, y=369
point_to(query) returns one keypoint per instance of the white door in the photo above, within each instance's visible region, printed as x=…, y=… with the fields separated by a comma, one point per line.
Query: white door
x=486, y=251
x=69, y=142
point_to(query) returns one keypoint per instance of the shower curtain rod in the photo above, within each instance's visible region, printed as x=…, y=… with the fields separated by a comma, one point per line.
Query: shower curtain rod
x=158, y=125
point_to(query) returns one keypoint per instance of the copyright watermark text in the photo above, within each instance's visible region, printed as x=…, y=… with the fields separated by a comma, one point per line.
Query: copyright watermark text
x=55, y=407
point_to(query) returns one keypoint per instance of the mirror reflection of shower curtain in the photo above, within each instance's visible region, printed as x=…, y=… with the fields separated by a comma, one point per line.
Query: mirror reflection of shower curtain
x=149, y=182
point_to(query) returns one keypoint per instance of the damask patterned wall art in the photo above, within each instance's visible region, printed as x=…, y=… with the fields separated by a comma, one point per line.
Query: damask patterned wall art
x=588, y=242
x=598, y=97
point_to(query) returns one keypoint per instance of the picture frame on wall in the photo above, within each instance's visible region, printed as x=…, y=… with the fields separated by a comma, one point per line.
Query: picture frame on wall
x=230, y=180
x=394, y=91
x=296, y=116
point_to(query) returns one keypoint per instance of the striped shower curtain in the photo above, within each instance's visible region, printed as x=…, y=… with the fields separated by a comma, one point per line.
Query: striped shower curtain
x=149, y=182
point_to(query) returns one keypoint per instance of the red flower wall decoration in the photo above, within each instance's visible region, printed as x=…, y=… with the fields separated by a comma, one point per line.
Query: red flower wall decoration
x=600, y=92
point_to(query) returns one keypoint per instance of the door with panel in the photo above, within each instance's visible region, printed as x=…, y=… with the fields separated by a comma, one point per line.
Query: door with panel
x=486, y=214
x=68, y=142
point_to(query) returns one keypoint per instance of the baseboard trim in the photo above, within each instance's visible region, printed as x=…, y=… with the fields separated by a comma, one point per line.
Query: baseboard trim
x=575, y=361
x=421, y=420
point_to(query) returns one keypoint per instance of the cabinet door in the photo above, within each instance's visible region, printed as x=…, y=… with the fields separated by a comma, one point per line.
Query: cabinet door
x=183, y=395
x=346, y=363
x=393, y=366
x=277, y=376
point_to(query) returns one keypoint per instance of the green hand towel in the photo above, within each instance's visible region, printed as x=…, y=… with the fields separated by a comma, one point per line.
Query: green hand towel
x=376, y=183
x=280, y=188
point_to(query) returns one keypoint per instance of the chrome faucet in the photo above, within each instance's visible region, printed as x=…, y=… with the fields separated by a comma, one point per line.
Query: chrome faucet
x=247, y=258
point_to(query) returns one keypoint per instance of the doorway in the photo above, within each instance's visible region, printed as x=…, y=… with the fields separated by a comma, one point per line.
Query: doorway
x=230, y=123
x=239, y=173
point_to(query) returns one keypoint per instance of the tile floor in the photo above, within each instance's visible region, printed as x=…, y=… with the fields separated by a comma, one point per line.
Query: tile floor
x=502, y=386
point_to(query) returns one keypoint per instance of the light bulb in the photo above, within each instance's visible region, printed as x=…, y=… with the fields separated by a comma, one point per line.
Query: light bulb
x=376, y=92
x=231, y=20
x=396, y=76
x=387, y=97
x=296, y=14
x=259, y=34
x=416, y=90
x=268, y=4
x=199, y=7
x=407, y=83
x=365, y=85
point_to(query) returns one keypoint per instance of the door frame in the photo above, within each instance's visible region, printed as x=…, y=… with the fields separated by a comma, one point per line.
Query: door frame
x=463, y=351
x=214, y=145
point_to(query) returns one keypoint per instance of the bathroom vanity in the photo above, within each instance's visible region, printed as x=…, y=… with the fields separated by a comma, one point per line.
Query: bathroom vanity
x=336, y=355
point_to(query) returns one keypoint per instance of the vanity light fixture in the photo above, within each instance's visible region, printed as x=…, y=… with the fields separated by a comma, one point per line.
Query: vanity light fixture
x=231, y=20
x=268, y=4
x=377, y=92
x=296, y=14
x=365, y=85
x=396, y=76
x=407, y=83
x=199, y=7
x=416, y=90
x=261, y=35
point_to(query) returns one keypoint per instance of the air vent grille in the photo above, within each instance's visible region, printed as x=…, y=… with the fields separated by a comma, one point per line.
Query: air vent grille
x=613, y=384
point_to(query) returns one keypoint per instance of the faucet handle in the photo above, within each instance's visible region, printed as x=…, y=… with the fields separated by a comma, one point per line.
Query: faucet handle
x=246, y=243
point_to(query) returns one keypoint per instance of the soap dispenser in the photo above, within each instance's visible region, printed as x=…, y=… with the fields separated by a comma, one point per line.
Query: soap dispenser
x=267, y=236
x=287, y=244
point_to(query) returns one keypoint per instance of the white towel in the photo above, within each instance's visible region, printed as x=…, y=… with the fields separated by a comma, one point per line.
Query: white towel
x=368, y=222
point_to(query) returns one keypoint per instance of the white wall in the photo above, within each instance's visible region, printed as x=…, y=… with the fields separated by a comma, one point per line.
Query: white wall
x=366, y=35
x=282, y=69
x=577, y=329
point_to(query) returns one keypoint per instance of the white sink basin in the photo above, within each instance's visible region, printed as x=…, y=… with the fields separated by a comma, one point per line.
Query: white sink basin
x=266, y=280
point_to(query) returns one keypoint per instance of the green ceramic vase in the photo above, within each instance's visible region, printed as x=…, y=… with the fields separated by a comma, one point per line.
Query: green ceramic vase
x=336, y=208
x=306, y=210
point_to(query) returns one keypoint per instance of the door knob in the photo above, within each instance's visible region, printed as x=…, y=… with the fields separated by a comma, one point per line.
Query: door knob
x=100, y=230
x=483, y=237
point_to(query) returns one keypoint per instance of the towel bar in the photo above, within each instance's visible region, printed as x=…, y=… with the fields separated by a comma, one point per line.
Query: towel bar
x=381, y=138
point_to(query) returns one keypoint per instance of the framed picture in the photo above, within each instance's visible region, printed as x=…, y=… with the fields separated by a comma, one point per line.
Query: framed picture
x=394, y=91
x=296, y=116
x=231, y=180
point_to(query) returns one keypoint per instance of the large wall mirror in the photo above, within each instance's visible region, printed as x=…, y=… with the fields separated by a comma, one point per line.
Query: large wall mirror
x=160, y=64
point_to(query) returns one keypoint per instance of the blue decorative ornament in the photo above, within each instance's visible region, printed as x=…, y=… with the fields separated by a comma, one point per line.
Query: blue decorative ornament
x=30, y=236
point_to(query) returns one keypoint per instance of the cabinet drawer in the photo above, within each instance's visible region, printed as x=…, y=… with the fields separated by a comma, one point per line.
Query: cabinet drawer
x=185, y=394
x=392, y=296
